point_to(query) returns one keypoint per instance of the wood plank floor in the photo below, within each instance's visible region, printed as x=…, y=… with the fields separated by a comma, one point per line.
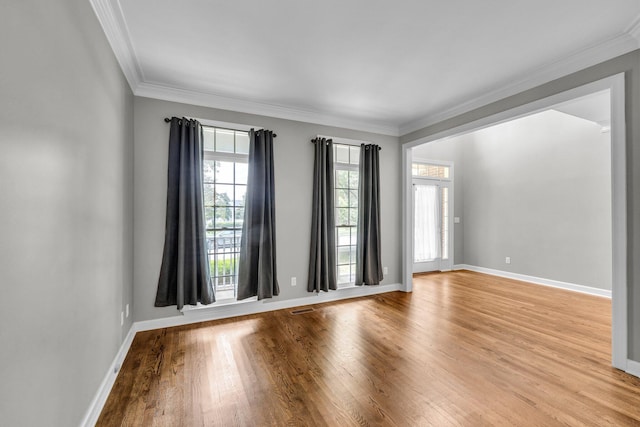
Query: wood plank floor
x=464, y=349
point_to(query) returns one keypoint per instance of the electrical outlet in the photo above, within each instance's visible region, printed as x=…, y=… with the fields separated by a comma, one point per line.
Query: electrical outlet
x=507, y=260
x=385, y=270
x=122, y=318
x=293, y=281
x=456, y=220
x=126, y=311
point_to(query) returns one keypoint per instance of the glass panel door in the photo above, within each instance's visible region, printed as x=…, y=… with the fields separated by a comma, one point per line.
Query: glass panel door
x=427, y=235
x=431, y=226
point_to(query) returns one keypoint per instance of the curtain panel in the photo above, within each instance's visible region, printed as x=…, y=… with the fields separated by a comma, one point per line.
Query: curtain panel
x=368, y=253
x=184, y=274
x=322, y=259
x=257, y=275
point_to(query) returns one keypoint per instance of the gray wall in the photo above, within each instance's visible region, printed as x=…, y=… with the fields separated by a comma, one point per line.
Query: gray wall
x=66, y=172
x=536, y=189
x=294, y=166
x=628, y=64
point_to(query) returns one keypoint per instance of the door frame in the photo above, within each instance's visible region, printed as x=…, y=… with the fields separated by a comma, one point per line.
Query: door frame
x=449, y=183
x=616, y=85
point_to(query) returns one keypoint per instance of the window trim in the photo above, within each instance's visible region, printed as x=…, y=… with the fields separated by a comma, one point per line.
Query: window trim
x=228, y=157
x=227, y=125
x=423, y=161
x=349, y=167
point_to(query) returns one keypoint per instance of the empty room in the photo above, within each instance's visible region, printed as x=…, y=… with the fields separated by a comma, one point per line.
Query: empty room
x=320, y=213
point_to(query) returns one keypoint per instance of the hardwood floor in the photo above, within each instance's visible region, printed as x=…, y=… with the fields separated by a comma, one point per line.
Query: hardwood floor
x=463, y=349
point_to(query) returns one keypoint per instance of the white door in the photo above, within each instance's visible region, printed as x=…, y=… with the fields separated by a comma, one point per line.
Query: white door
x=431, y=226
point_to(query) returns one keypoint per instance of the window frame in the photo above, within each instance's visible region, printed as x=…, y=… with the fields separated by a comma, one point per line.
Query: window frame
x=235, y=158
x=350, y=166
x=448, y=184
x=446, y=166
x=353, y=228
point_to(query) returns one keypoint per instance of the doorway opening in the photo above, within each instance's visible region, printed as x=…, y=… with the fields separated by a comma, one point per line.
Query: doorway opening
x=614, y=87
x=432, y=218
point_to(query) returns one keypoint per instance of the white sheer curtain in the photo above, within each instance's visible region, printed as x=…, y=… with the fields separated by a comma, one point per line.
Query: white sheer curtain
x=426, y=239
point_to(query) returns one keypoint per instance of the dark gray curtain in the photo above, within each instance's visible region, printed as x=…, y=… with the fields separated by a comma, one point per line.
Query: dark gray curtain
x=257, y=264
x=322, y=260
x=184, y=275
x=368, y=255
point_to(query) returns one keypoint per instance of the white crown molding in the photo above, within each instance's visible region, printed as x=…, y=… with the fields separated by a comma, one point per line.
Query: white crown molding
x=580, y=60
x=634, y=29
x=111, y=19
x=158, y=91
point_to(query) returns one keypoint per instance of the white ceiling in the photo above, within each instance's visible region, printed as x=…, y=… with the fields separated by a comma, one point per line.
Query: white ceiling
x=595, y=108
x=382, y=66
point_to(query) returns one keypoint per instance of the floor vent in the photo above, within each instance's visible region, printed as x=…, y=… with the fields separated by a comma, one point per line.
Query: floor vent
x=303, y=310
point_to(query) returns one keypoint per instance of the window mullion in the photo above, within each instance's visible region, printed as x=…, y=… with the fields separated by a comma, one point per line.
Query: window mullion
x=223, y=235
x=345, y=191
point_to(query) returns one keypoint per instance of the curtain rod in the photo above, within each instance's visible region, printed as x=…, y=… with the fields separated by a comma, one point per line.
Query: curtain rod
x=313, y=141
x=168, y=120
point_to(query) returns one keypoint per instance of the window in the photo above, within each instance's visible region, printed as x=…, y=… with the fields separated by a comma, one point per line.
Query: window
x=346, y=160
x=425, y=170
x=226, y=153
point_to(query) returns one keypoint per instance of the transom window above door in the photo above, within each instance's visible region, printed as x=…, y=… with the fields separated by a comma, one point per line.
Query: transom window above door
x=428, y=170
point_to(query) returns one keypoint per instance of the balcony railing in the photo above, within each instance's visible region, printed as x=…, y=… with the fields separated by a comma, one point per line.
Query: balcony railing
x=224, y=252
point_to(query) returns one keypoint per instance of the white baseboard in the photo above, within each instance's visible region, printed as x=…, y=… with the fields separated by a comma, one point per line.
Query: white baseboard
x=97, y=403
x=633, y=368
x=202, y=314
x=206, y=313
x=537, y=280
